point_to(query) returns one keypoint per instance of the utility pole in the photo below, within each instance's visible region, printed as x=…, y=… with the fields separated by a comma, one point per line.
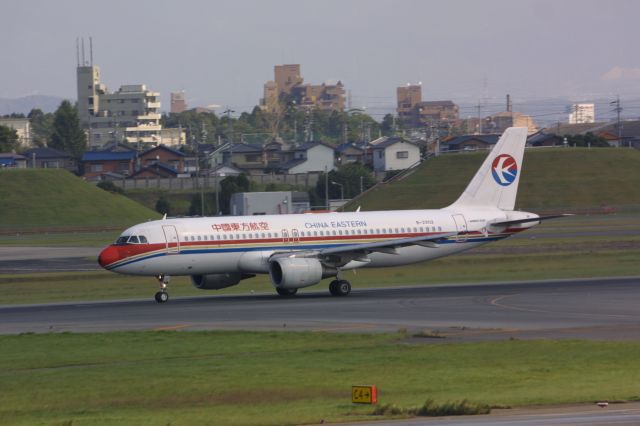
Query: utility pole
x=228, y=111
x=479, y=108
x=618, y=110
x=326, y=188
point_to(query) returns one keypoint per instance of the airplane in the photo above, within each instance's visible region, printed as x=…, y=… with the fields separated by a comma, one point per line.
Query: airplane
x=300, y=250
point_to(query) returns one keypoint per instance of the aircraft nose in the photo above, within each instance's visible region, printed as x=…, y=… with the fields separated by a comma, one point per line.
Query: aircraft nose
x=108, y=256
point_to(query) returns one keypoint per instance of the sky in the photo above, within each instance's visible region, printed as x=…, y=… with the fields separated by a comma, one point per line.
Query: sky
x=222, y=52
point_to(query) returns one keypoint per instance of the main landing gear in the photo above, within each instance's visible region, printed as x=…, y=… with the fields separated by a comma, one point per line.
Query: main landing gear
x=163, y=296
x=339, y=287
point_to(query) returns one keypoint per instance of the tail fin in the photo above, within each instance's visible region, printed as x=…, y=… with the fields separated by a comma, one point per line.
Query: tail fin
x=496, y=182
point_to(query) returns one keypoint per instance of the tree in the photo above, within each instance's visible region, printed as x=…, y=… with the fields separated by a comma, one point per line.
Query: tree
x=588, y=139
x=163, y=206
x=67, y=135
x=8, y=139
x=229, y=186
x=349, y=176
x=109, y=186
x=41, y=126
x=387, y=126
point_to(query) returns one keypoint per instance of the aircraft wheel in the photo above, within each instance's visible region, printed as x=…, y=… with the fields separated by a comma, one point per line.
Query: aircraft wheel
x=162, y=297
x=342, y=288
x=333, y=287
x=286, y=292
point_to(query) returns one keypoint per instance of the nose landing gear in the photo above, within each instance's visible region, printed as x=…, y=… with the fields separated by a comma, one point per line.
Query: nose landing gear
x=163, y=296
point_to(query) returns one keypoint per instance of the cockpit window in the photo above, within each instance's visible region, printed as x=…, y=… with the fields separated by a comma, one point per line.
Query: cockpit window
x=133, y=239
x=143, y=239
x=122, y=240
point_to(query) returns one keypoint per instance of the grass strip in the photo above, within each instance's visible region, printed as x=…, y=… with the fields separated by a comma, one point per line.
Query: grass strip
x=250, y=378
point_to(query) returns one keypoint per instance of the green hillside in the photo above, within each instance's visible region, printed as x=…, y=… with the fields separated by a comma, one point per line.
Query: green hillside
x=553, y=178
x=34, y=198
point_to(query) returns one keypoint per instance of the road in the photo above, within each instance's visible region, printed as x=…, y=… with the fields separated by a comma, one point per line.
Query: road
x=582, y=414
x=604, y=309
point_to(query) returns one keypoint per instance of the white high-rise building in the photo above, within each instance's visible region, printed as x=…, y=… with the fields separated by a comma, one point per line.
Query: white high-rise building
x=582, y=113
x=132, y=114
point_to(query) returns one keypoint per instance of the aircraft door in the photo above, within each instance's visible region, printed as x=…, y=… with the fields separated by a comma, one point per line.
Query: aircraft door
x=461, y=227
x=295, y=236
x=171, y=239
x=285, y=236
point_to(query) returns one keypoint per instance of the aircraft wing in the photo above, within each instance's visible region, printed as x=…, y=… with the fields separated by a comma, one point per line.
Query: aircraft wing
x=389, y=246
x=344, y=254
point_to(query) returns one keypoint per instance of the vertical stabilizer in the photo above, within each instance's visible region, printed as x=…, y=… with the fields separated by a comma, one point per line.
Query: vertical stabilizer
x=496, y=182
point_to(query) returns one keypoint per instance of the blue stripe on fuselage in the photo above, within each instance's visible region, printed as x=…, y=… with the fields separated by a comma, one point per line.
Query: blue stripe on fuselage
x=284, y=247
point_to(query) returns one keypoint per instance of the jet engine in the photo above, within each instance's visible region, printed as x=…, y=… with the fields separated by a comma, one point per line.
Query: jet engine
x=294, y=272
x=215, y=281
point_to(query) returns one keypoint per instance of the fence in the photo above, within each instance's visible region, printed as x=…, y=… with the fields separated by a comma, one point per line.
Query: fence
x=304, y=180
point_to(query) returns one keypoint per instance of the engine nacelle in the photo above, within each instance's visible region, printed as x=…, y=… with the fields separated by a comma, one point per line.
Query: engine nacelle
x=215, y=281
x=297, y=272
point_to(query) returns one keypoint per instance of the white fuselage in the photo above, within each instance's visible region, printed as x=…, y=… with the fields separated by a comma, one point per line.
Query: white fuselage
x=226, y=244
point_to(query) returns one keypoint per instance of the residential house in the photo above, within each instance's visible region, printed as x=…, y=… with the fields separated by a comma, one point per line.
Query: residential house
x=118, y=161
x=49, y=158
x=469, y=142
x=309, y=157
x=543, y=138
x=164, y=156
x=395, y=154
x=627, y=135
x=247, y=157
x=348, y=153
x=155, y=170
x=13, y=160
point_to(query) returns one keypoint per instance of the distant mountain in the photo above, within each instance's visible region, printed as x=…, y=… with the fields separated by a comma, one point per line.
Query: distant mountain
x=27, y=103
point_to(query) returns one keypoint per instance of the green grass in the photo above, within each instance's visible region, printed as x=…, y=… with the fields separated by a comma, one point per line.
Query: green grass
x=60, y=239
x=41, y=198
x=551, y=179
x=247, y=378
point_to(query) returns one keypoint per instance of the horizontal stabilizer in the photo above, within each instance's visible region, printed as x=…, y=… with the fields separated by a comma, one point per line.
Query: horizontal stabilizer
x=532, y=219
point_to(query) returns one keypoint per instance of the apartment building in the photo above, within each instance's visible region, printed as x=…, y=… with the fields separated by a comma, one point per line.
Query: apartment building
x=582, y=113
x=131, y=114
x=22, y=126
x=415, y=112
x=328, y=96
x=178, y=102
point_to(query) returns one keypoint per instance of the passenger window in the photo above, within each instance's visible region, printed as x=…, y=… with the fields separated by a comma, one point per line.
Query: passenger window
x=402, y=230
x=439, y=228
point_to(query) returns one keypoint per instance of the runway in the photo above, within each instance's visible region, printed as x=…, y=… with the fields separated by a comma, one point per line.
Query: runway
x=605, y=309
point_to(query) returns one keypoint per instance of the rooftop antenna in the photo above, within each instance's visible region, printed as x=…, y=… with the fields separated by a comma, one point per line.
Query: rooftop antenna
x=77, y=51
x=91, y=50
x=83, y=59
